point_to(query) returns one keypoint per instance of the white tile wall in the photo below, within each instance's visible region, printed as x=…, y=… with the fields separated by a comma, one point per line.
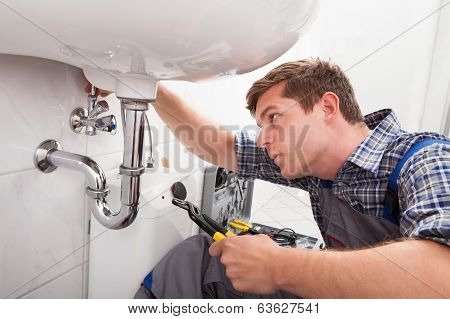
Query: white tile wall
x=41, y=234
x=42, y=229
x=57, y=288
x=36, y=97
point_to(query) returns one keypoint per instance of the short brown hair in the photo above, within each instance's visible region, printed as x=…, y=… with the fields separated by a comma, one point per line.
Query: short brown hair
x=306, y=81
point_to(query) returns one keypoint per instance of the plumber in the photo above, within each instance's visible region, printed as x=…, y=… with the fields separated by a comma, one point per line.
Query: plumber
x=380, y=196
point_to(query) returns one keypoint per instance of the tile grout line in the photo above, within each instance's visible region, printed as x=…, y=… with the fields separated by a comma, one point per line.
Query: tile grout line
x=24, y=170
x=50, y=280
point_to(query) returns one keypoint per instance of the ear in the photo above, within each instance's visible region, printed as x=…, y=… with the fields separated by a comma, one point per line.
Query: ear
x=330, y=105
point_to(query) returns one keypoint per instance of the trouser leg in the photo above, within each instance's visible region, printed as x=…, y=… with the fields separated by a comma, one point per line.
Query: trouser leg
x=188, y=271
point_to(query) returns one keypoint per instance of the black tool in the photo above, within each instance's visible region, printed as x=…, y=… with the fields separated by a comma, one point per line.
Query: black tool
x=207, y=224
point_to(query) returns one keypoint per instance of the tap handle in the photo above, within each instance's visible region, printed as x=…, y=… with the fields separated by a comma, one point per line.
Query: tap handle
x=107, y=124
x=99, y=108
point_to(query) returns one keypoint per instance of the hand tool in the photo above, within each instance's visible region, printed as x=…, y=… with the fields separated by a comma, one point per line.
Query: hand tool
x=206, y=223
x=244, y=227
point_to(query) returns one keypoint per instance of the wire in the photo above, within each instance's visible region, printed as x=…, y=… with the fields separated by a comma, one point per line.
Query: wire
x=285, y=237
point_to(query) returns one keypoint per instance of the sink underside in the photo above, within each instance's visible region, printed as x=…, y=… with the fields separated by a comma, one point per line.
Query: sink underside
x=170, y=39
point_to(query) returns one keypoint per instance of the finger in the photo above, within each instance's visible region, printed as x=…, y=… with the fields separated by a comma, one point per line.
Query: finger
x=216, y=248
x=102, y=93
x=88, y=89
x=98, y=91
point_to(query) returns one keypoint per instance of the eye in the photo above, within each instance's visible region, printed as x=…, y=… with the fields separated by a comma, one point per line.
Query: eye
x=274, y=117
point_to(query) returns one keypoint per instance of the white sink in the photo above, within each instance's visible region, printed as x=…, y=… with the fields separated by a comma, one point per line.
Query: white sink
x=124, y=45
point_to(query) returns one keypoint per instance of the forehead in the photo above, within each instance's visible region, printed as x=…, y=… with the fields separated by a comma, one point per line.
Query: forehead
x=270, y=98
x=273, y=99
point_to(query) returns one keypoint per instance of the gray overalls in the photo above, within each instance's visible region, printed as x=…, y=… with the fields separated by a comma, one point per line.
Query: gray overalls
x=188, y=271
x=345, y=227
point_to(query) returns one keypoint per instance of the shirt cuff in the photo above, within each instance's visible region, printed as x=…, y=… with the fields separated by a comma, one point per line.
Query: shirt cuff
x=435, y=228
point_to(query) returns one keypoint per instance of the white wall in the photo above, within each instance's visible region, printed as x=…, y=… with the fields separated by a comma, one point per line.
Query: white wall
x=42, y=228
x=438, y=95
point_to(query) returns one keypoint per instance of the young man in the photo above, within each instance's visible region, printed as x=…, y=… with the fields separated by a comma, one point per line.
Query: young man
x=314, y=137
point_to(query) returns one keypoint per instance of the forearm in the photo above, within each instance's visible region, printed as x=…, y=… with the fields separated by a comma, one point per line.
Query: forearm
x=198, y=134
x=407, y=269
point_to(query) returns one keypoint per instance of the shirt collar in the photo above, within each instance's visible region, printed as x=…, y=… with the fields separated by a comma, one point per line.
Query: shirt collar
x=385, y=127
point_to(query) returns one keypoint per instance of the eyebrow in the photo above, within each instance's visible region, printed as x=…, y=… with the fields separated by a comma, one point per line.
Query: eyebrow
x=264, y=112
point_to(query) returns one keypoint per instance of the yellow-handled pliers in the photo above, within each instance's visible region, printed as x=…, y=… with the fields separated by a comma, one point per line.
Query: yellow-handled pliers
x=206, y=223
x=243, y=226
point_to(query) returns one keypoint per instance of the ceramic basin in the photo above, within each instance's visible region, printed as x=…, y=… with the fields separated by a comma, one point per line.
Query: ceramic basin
x=123, y=46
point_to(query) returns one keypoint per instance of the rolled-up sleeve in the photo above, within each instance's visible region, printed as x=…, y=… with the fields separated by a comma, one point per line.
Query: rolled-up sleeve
x=254, y=162
x=425, y=195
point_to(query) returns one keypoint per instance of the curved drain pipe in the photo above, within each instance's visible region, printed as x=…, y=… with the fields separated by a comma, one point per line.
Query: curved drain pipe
x=49, y=155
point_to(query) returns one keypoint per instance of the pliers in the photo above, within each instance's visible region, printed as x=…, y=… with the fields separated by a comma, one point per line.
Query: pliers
x=244, y=227
x=206, y=223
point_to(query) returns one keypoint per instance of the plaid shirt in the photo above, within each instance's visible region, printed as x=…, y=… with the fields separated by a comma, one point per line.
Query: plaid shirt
x=423, y=184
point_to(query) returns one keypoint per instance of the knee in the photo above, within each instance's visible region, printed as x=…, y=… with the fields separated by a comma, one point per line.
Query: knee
x=195, y=245
x=200, y=240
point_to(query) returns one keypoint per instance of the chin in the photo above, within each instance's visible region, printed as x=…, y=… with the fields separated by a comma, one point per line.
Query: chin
x=291, y=175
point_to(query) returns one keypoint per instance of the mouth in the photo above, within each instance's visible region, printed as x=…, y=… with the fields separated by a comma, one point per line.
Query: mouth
x=276, y=158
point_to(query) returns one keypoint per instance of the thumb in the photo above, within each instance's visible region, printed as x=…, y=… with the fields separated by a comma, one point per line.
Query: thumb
x=216, y=248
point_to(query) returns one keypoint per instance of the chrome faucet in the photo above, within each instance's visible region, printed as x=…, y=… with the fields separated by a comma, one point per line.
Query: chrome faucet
x=86, y=119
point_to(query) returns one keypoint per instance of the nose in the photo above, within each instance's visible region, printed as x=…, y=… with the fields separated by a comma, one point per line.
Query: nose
x=264, y=137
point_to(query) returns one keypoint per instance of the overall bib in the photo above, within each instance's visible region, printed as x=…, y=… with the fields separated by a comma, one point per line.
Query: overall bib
x=345, y=227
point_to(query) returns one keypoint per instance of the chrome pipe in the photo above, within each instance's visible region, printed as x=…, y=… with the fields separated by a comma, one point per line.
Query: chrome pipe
x=95, y=177
x=133, y=138
x=97, y=190
x=49, y=155
x=132, y=167
x=150, y=161
x=92, y=98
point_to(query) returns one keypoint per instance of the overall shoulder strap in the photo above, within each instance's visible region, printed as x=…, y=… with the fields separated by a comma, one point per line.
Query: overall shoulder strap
x=391, y=205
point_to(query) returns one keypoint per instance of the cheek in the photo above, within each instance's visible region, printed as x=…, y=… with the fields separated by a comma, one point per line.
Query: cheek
x=278, y=134
x=299, y=137
x=292, y=137
x=303, y=146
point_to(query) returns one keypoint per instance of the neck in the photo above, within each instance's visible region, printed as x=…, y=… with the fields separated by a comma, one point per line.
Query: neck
x=340, y=149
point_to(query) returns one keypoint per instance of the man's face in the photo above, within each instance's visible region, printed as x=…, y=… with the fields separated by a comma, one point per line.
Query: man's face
x=293, y=139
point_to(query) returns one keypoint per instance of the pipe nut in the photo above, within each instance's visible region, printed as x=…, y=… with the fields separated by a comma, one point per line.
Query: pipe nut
x=97, y=194
x=131, y=171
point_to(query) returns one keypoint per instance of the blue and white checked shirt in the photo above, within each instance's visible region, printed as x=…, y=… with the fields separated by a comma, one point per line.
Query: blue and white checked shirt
x=423, y=184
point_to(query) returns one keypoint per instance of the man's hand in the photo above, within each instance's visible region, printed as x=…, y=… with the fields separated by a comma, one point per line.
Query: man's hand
x=250, y=262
